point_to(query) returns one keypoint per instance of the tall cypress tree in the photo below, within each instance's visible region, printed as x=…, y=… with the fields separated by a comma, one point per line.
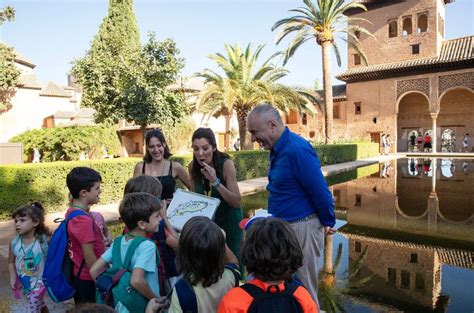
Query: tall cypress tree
x=99, y=72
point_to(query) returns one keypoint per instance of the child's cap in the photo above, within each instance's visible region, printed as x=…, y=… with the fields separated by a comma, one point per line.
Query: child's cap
x=247, y=222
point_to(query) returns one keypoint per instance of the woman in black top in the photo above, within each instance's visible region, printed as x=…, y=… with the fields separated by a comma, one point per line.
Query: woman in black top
x=156, y=163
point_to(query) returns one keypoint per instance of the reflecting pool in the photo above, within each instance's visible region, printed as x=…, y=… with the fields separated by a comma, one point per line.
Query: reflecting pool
x=405, y=240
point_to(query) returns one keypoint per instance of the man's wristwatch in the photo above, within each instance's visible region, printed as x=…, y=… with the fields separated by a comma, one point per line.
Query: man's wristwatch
x=216, y=183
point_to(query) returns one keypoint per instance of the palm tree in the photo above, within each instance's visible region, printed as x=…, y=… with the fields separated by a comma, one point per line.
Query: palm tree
x=322, y=21
x=332, y=289
x=7, y=14
x=244, y=85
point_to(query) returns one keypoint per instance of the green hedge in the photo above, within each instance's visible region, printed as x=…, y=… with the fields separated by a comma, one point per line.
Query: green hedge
x=68, y=143
x=45, y=182
x=353, y=174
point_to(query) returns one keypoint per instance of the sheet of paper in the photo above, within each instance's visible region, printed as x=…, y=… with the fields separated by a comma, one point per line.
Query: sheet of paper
x=186, y=204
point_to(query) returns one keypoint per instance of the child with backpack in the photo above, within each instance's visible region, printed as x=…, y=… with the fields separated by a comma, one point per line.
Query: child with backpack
x=151, y=185
x=27, y=254
x=85, y=239
x=166, y=238
x=208, y=266
x=272, y=254
x=133, y=255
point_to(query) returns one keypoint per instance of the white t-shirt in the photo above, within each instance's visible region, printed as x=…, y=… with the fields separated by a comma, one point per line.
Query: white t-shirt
x=208, y=299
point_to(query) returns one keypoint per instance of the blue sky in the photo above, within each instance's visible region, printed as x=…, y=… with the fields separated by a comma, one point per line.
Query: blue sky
x=52, y=33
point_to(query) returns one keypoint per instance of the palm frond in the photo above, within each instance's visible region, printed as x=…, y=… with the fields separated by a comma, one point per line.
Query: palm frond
x=289, y=28
x=299, y=39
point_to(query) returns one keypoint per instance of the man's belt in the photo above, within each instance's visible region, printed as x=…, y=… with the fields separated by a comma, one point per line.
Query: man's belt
x=306, y=218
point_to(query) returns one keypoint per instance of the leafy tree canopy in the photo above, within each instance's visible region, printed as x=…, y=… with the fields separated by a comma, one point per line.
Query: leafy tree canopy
x=146, y=97
x=100, y=71
x=122, y=80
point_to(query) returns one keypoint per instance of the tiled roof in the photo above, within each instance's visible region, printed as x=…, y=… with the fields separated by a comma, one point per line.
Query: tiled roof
x=188, y=84
x=459, y=254
x=29, y=81
x=86, y=113
x=63, y=114
x=78, y=123
x=53, y=90
x=455, y=53
x=21, y=59
x=82, y=113
x=338, y=93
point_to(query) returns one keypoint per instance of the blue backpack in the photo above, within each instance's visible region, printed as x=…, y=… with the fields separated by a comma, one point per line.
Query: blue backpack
x=59, y=283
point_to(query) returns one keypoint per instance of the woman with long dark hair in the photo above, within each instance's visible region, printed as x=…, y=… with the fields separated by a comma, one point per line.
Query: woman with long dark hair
x=213, y=174
x=155, y=163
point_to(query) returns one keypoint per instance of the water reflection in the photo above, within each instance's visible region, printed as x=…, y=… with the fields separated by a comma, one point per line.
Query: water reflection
x=408, y=226
x=414, y=217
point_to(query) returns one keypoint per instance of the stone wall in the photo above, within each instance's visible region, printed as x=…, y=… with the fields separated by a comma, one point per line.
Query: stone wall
x=381, y=49
x=29, y=110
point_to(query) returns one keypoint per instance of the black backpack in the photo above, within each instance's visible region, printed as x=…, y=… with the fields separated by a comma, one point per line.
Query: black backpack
x=275, y=302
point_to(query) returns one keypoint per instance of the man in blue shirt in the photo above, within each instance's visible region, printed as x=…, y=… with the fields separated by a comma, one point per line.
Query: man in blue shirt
x=298, y=192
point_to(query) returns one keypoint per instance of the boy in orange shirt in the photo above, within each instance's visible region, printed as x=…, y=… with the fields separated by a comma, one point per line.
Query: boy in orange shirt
x=272, y=254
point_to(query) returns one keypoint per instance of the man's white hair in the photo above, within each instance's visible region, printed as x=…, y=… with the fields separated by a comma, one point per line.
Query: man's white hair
x=267, y=112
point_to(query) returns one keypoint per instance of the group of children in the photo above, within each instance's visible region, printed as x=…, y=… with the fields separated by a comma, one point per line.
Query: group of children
x=209, y=279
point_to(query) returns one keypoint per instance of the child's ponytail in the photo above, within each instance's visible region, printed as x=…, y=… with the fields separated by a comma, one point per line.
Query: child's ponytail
x=41, y=229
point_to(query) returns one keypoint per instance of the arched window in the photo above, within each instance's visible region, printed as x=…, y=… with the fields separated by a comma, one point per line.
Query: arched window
x=407, y=26
x=448, y=140
x=392, y=29
x=422, y=24
x=412, y=145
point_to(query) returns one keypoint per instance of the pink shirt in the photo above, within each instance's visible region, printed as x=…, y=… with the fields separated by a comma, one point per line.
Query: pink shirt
x=81, y=230
x=100, y=222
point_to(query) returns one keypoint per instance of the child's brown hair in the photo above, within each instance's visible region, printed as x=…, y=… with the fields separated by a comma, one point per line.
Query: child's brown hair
x=271, y=250
x=143, y=183
x=138, y=206
x=201, y=251
x=35, y=211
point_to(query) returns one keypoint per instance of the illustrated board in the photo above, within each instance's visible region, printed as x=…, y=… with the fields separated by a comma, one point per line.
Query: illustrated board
x=186, y=204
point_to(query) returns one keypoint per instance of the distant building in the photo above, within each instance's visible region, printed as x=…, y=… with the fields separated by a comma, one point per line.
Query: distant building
x=416, y=81
x=40, y=105
x=191, y=86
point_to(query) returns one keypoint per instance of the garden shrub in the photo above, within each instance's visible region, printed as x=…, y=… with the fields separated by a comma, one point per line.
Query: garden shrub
x=68, y=143
x=354, y=174
x=46, y=182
